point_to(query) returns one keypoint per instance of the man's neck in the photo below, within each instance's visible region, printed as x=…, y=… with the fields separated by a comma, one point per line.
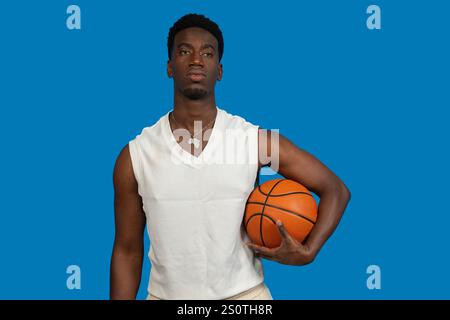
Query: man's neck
x=187, y=111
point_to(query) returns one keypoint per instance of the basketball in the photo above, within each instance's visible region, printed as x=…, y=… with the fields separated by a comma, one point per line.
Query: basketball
x=279, y=199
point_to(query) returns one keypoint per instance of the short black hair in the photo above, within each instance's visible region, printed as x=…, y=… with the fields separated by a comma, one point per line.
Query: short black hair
x=195, y=20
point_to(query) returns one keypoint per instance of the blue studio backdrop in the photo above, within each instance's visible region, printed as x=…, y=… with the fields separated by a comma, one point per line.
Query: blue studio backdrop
x=371, y=104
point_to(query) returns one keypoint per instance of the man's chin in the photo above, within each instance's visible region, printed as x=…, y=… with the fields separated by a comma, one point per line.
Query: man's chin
x=195, y=93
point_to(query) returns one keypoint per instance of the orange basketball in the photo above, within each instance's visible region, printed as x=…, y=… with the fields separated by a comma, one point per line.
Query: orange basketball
x=279, y=199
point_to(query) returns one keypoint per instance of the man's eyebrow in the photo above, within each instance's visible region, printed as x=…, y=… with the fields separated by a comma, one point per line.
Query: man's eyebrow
x=207, y=45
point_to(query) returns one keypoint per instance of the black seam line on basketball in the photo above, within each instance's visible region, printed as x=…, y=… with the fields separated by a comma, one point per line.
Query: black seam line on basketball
x=285, y=194
x=288, y=211
x=258, y=214
x=262, y=211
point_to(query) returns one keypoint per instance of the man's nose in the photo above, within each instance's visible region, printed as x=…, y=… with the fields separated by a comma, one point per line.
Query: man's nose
x=196, y=59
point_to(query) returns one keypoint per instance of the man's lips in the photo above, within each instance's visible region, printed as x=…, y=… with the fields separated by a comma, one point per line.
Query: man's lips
x=196, y=76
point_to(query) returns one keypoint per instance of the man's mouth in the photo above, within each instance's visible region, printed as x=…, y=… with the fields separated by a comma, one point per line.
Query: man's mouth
x=196, y=76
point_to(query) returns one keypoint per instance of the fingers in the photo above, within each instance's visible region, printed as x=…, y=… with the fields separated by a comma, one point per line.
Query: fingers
x=283, y=232
x=260, y=255
x=260, y=250
x=285, y=238
x=263, y=252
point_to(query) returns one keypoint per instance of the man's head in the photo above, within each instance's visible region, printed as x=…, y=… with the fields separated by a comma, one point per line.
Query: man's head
x=195, y=48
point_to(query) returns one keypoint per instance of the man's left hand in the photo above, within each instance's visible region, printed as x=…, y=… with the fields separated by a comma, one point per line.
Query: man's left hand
x=289, y=252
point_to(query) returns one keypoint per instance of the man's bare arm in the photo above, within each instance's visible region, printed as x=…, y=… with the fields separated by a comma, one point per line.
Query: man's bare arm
x=128, y=250
x=299, y=165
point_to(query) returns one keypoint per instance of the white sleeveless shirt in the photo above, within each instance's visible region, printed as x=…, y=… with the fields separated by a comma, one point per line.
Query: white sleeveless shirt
x=195, y=207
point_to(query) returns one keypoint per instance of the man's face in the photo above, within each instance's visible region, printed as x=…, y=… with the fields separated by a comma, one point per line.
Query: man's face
x=194, y=64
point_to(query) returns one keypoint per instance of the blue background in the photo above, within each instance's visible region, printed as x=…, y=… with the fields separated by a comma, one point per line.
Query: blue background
x=370, y=104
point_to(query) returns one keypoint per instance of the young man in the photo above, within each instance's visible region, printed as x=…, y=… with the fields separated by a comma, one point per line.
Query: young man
x=193, y=200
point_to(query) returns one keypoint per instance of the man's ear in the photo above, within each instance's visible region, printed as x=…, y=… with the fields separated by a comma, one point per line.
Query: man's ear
x=169, y=69
x=220, y=73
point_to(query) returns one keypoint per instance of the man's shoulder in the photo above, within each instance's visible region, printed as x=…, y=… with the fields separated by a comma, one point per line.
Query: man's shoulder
x=239, y=120
x=123, y=170
x=152, y=129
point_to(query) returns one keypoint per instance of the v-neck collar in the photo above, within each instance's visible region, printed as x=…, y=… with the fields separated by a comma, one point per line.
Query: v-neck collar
x=185, y=156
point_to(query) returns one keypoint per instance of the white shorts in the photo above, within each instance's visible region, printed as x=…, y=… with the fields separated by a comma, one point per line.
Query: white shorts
x=260, y=292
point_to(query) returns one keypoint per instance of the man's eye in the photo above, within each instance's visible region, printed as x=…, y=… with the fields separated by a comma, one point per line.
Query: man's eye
x=182, y=52
x=208, y=54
